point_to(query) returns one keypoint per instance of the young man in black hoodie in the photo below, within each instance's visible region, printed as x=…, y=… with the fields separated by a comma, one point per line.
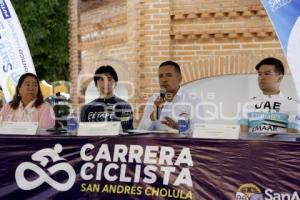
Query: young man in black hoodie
x=107, y=107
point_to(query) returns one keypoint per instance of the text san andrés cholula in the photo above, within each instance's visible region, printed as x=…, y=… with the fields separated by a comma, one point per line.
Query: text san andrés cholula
x=148, y=161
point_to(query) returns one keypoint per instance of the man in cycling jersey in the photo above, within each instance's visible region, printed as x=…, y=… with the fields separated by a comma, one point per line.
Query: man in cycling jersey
x=271, y=112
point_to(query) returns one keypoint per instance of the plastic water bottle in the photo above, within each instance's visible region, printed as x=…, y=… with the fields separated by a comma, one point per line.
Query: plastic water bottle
x=109, y=113
x=72, y=123
x=184, y=124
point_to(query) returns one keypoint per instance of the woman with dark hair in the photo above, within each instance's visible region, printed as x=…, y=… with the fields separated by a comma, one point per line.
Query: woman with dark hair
x=28, y=104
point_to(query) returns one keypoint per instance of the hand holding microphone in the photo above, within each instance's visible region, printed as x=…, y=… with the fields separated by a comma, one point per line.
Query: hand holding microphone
x=158, y=104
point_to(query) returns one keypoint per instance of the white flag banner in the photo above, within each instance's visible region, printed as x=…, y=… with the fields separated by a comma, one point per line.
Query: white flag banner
x=285, y=17
x=15, y=58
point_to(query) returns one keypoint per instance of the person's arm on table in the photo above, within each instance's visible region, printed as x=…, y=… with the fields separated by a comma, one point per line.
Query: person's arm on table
x=127, y=120
x=46, y=116
x=244, y=129
x=149, y=118
x=243, y=120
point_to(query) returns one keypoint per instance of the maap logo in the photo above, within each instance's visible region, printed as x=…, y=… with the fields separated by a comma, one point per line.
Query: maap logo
x=250, y=191
x=42, y=158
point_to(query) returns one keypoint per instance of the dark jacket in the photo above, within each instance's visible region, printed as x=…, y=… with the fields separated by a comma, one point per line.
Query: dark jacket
x=113, y=109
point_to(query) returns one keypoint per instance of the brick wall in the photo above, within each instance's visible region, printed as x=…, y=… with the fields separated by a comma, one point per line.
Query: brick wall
x=206, y=37
x=211, y=38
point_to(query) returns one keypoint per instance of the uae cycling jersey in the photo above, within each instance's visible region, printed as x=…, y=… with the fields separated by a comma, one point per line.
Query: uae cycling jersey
x=270, y=114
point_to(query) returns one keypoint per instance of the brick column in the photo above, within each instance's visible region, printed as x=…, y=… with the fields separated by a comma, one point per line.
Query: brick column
x=154, y=44
x=135, y=34
x=73, y=50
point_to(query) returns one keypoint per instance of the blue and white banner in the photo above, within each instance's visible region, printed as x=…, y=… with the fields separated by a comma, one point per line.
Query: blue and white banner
x=15, y=58
x=285, y=17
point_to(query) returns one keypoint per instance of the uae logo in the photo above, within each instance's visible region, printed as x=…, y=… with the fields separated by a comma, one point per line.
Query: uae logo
x=249, y=191
x=44, y=158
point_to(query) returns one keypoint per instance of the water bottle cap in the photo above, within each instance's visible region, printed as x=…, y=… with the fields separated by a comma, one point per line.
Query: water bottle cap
x=184, y=115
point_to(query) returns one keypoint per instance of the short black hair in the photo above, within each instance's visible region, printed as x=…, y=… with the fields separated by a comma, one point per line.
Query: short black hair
x=279, y=68
x=106, y=69
x=171, y=63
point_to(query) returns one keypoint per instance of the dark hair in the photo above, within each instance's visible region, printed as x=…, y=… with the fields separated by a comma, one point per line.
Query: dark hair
x=17, y=98
x=107, y=69
x=173, y=64
x=279, y=68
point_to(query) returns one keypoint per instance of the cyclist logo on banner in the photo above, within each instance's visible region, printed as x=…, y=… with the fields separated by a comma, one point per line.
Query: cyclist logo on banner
x=39, y=172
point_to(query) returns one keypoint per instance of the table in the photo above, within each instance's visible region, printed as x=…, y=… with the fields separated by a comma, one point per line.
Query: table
x=218, y=169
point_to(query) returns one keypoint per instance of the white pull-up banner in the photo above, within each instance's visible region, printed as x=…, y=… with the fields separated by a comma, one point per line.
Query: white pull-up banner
x=15, y=58
x=285, y=17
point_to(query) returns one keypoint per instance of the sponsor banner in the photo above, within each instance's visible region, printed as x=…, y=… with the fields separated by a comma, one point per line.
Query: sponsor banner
x=139, y=167
x=253, y=192
x=285, y=17
x=15, y=58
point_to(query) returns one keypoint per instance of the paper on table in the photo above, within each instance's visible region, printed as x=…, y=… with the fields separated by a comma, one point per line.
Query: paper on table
x=99, y=128
x=19, y=128
x=216, y=131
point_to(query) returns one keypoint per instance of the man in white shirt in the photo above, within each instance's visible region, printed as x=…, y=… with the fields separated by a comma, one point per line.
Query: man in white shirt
x=163, y=110
x=270, y=112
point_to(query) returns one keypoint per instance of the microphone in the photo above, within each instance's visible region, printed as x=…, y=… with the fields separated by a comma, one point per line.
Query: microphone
x=162, y=94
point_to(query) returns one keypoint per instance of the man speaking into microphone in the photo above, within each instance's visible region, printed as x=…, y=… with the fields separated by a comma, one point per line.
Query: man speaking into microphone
x=164, y=109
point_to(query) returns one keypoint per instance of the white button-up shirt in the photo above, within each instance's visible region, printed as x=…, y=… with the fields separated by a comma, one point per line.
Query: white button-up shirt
x=183, y=102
